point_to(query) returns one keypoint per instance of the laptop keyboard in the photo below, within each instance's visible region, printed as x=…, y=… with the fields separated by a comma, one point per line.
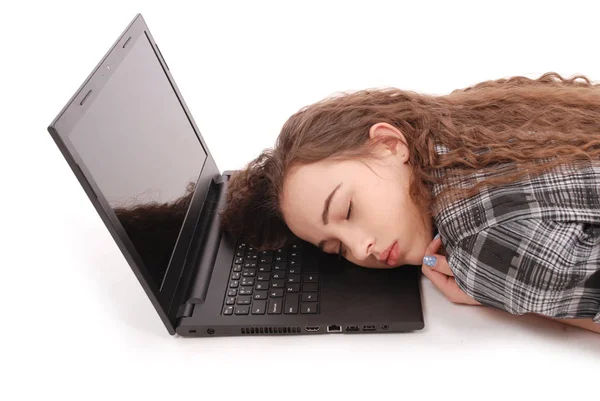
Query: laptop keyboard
x=271, y=282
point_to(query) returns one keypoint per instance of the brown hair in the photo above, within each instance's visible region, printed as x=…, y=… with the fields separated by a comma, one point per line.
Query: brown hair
x=553, y=120
x=154, y=227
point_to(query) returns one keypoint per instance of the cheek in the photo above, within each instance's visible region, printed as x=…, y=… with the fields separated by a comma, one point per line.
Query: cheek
x=386, y=207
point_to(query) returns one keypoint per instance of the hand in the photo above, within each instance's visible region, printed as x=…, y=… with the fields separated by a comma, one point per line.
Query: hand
x=441, y=275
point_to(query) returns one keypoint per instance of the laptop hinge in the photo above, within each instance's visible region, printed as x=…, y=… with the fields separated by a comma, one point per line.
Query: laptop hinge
x=224, y=177
x=202, y=256
x=185, y=310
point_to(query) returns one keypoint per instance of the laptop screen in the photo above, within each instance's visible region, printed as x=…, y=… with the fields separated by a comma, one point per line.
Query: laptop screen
x=138, y=144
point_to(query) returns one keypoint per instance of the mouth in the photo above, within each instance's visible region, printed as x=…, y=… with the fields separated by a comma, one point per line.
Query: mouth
x=390, y=255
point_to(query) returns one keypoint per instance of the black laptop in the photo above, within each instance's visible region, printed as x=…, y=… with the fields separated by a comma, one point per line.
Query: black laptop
x=130, y=139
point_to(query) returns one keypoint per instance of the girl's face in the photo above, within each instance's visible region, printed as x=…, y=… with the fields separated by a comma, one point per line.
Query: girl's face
x=362, y=207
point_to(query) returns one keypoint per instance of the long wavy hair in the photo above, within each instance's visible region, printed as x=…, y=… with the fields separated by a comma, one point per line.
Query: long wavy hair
x=511, y=127
x=153, y=228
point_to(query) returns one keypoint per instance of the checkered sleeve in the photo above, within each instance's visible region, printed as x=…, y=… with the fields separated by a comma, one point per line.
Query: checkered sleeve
x=533, y=266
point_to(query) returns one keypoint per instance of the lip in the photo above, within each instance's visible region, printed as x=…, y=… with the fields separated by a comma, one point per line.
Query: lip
x=388, y=256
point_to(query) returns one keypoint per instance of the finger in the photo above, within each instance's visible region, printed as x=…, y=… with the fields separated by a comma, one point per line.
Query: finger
x=447, y=285
x=433, y=246
x=438, y=263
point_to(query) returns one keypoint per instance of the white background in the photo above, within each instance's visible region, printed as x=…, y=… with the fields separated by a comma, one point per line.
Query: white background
x=75, y=322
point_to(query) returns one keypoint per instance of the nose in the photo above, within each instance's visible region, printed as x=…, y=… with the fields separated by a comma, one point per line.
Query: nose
x=361, y=246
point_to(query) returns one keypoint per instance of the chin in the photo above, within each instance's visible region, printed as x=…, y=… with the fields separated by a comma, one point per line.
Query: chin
x=402, y=263
x=412, y=260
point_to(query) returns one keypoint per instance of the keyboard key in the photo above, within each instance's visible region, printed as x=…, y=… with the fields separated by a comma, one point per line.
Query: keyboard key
x=235, y=276
x=249, y=272
x=297, y=260
x=244, y=300
x=278, y=275
x=280, y=266
x=263, y=276
x=292, y=288
x=263, y=285
x=259, y=307
x=294, y=278
x=280, y=257
x=239, y=254
x=249, y=265
x=247, y=281
x=238, y=261
x=251, y=248
x=264, y=268
x=242, y=310
x=296, y=246
x=291, y=304
x=294, y=269
x=242, y=245
x=274, y=306
x=309, y=307
x=246, y=291
x=251, y=257
x=228, y=310
x=234, y=284
x=266, y=259
x=309, y=297
x=310, y=287
x=230, y=301
x=276, y=293
x=237, y=268
x=277, y=283
x=260, y=295
x=296, y=254
x=232, y=292
x=311, y=278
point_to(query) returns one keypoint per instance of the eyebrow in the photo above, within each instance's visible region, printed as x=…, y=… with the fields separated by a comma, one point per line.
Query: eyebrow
x=325, y=215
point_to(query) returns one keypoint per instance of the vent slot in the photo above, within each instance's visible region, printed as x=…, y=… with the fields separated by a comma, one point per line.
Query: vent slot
x=270, y=330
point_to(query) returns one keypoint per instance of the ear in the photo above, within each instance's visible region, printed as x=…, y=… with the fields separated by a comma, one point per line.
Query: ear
x=391, y=139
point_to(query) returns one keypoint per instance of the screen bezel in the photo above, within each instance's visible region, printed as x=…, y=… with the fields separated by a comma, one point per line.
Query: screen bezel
x=164, y=297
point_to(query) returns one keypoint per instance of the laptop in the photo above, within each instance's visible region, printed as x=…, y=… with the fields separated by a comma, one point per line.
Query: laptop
x=132, y=143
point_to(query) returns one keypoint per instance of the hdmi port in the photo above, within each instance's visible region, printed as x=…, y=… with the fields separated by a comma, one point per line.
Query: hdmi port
x=370, y=327
x=312, y=328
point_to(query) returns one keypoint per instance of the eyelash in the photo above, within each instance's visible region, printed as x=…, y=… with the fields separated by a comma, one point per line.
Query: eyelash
x=342, y=250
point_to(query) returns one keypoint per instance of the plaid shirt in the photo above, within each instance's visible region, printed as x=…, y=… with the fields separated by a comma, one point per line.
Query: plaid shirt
x=530, y=246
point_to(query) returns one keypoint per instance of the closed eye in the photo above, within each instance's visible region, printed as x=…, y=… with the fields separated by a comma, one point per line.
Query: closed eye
x=343, y=250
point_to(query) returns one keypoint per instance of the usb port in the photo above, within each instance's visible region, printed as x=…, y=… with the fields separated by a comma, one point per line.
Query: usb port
x=369, y=327
x=352, y=328
x=311, y=328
